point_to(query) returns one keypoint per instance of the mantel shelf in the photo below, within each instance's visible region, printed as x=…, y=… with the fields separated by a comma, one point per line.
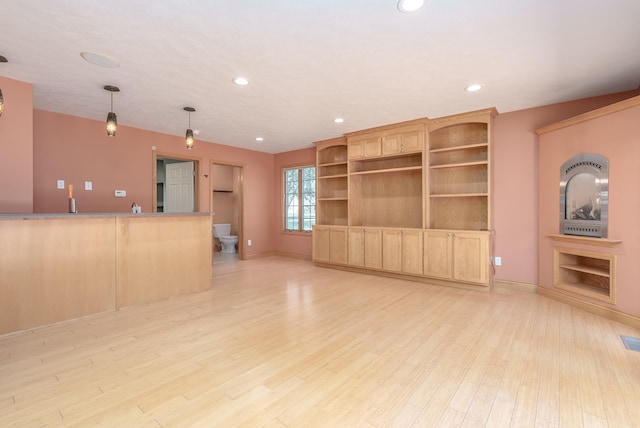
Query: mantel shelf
x=600, y=242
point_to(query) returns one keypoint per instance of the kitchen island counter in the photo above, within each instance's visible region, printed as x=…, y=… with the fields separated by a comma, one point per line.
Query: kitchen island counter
x=55, y=267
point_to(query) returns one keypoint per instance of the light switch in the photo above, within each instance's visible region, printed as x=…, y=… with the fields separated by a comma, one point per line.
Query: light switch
x=60, y=184
x=88, y=185
x=120, y=193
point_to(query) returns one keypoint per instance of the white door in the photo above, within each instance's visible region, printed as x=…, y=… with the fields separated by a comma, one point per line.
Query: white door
x=180, y=188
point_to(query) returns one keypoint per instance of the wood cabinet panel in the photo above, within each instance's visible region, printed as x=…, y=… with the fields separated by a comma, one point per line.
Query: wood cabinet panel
x=471, y=257
x=330, y=244
x=461, y=256
x=365, y=247
x=402, y=251
x=320, y=247
x=392, y=250
x=438, y=260
x=365, y=148
x=405, y=142
x=412, y=259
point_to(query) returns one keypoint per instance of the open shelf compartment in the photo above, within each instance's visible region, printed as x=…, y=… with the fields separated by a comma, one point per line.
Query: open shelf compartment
x=586, y=273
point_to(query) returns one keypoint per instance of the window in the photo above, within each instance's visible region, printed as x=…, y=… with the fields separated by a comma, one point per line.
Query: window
x=299, y=198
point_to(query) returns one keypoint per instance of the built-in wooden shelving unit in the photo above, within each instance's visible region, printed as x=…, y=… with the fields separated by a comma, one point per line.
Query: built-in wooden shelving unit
x=415, y=199
x=586, y=273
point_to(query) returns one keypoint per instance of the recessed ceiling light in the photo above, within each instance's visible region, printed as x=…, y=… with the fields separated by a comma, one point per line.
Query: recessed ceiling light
x=259, y=139
x=338, y=120
x=242, y=81
x=408, y=6
x=473, y=88
x=100, y=59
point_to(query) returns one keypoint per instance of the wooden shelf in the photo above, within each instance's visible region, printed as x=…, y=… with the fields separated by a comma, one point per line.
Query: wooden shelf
x=332, y=163
x=467, y=147
x=459, y=165
x=587, y=269
x=332, y=176
x=600, y=242
x=586, y=273
x=460, y=195
x=389, y=170
x=332, y=203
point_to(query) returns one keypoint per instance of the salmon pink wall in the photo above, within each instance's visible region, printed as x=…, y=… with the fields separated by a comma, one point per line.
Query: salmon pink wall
x=614, y=136
x=287, y=242
x=515, y=193
x=77, y=150
x=16, y=147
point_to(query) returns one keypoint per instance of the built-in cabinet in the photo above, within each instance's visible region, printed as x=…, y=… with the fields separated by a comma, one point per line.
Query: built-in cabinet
x=415, y=198
x=402, y=251
x=587, y=273
x=365, y=247
x=456, y=255
x=330, y=244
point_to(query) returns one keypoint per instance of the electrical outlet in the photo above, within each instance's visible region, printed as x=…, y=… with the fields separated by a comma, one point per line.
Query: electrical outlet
x=497, y=261
x=60, y=184
x=88, y=185
x=249, y=242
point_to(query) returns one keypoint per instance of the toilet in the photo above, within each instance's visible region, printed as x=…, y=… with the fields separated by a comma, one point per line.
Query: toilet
x=228, y=241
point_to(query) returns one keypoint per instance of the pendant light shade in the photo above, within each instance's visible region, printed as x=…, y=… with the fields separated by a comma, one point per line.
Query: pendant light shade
x=2, y=59
x=189, y=136
x=112, y=120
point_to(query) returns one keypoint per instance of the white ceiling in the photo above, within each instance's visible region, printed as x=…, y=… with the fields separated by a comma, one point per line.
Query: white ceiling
x=310, y=61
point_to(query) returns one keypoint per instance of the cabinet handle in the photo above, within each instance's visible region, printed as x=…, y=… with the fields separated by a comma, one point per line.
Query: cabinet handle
x=449, y=234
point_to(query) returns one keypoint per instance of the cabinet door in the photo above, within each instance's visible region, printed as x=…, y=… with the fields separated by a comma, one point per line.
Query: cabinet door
x=366, y=148
x=412, y=142
x=373, y=248
x=412, y=256
x=338, y=245
x=392, y=250
x=405, y=142
x=320, y=239
x=438, y=254
x=391, y=144
x=356, y=247
x=471, y=257
x=355, y=150
x=372, y=147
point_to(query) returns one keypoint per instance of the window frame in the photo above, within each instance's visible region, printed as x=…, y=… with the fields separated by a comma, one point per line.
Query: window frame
x=301, y=197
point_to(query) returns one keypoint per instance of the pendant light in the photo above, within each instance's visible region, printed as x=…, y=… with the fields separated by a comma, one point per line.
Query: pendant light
x=2, y=59
x=189, y=137
x=112, y=121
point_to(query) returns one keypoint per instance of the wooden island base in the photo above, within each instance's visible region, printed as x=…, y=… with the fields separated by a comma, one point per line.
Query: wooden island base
x=60, y=267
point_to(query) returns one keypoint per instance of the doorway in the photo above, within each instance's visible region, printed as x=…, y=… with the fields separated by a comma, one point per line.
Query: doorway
x=175, y=187
x=227, y=207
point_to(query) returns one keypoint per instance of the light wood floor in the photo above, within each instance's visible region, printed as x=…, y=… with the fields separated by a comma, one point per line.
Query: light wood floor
x=282, y=343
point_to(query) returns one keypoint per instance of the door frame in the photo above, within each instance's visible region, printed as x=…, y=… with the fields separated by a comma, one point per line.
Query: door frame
x=154, y=174
x=241, y=240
